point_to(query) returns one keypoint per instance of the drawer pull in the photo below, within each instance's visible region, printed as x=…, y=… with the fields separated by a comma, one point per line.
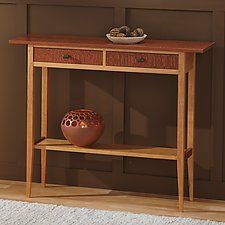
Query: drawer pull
x=140, y=59
x=66, y=56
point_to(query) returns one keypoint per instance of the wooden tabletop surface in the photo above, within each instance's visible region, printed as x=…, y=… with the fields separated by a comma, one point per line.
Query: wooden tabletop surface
x=103, y=42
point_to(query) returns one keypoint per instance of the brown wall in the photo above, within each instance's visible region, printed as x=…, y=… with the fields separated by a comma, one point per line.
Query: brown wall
x=146, y=110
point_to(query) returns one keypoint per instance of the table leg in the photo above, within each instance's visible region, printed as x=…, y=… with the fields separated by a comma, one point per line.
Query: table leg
x=43, y=167
x=30, y=121
x=181, y=128
x=190, y=128
x=44, y=120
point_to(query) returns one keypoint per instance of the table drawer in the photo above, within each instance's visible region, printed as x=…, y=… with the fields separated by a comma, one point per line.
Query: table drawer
x=144, y=60
x=71, y=56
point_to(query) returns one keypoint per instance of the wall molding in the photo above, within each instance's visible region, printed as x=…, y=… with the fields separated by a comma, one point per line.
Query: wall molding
x=218, y=96
x=192, y=5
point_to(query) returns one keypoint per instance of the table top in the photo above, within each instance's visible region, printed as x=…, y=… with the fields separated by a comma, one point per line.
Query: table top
x=103, y=42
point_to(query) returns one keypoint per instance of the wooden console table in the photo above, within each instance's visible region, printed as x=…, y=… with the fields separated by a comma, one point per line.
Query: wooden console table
x=156, y=57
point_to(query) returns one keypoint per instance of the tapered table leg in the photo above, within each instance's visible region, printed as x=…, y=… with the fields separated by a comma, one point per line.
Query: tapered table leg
x=30, y=121
x=181, y=112
x=190, y=128
x=44, y=122
x=43, y=167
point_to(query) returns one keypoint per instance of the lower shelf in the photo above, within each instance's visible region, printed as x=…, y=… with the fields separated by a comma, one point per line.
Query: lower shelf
x=115, y=150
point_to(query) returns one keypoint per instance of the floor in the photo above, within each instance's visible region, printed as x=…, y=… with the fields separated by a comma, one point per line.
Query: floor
x=113, y=200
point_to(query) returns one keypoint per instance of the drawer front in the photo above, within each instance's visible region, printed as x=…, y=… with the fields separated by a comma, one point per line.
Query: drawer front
x=71, y=56
x=144, y=60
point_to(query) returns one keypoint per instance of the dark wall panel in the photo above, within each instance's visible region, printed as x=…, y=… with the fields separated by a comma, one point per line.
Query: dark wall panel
x=168, y=24
x=12, y=96
x=151, y=119
x=70, y=20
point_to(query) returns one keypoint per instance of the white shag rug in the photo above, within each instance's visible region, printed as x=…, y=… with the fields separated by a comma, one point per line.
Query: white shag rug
x=24, y=213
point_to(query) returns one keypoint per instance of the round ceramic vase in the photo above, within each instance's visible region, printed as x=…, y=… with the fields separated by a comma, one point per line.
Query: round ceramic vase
x=82, y=127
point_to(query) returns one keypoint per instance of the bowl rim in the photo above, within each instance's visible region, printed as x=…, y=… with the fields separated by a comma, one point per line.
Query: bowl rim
x=109, y=36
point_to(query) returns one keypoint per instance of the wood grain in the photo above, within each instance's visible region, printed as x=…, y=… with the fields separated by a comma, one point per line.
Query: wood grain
x=30, y=120
x=106, y=149
x=74, y=56
x=44, y=103
x=181, y=138
x=106, y=68
x=44, y=121
x=191, y=126
x=127, y=59
x=100, y=42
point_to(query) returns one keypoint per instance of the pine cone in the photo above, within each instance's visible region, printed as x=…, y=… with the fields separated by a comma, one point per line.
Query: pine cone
x=113, y=32
x=121, y=35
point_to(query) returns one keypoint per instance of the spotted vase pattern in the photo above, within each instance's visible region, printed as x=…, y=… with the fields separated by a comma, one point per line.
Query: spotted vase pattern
x=82, y=127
